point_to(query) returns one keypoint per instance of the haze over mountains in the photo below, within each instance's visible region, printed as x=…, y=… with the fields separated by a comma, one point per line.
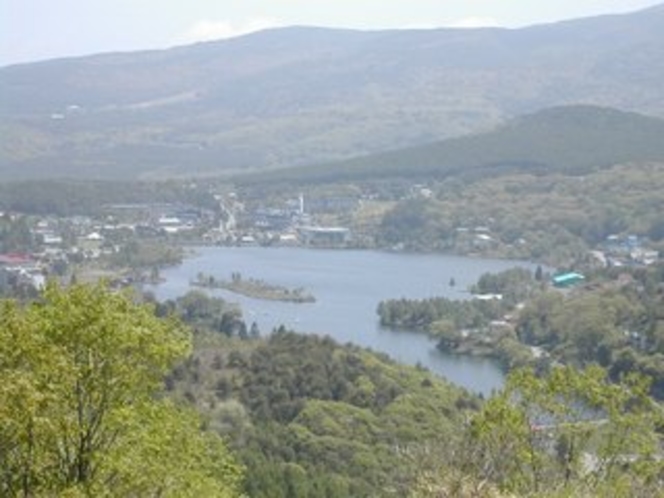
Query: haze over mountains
x=297, y=96
x=571, y=140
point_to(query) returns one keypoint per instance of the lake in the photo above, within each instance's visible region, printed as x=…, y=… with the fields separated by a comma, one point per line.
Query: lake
x=348, y=285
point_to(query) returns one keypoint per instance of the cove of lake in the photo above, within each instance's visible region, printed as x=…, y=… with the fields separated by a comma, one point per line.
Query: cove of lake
x=348, y=285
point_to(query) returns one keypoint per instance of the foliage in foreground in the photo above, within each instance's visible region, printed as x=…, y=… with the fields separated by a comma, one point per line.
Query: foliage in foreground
x=79, y=408
x=572, y=433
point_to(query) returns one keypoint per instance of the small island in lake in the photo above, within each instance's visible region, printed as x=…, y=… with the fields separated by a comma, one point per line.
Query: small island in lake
x=254, y=288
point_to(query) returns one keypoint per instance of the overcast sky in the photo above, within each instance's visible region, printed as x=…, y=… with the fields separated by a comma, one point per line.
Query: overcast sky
x=42, y=29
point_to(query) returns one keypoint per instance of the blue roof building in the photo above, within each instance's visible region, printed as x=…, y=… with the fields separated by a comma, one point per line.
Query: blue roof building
x=567, y=279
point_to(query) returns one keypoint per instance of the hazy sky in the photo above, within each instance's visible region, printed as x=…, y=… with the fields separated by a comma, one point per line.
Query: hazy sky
x=42, y=29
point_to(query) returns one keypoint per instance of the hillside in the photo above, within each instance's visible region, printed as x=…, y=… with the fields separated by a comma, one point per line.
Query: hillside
x=309, y=417
x=306, y=95
x=569, y=140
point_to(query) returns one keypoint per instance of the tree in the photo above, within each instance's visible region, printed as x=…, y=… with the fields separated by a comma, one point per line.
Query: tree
x=571, y=432
x=165, y=453
x=79, y=415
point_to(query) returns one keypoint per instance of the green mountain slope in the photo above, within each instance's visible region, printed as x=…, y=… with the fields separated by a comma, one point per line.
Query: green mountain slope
x=303, y=95
x=570, y=139
x=309, y=417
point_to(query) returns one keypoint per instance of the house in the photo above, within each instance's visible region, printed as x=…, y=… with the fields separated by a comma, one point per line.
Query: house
x=91, y=244
x=288, y=238
x=20, y=270
x=644, y=256
x=488, y=297
x=569, y=279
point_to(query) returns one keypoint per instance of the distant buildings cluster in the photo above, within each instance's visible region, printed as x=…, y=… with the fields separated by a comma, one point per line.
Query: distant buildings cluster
x=619, y=250
x=290, y=224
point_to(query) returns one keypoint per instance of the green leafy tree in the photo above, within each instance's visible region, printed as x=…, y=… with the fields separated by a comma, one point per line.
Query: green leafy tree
x=572, y=432
x=79, y=415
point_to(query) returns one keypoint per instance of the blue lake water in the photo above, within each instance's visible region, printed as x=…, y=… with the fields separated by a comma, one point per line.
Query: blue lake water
x=348, y=285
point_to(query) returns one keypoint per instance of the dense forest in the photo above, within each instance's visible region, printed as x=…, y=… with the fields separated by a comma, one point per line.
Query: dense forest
x=565, y=140
x=90, y=198
x=109, y=397
x=311, y=418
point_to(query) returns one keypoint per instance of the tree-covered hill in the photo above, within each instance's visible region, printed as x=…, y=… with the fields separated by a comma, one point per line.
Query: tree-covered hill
x=297, y=96
x=555, y=217
x=575, y=140
x=90, y=198
x=309, y=417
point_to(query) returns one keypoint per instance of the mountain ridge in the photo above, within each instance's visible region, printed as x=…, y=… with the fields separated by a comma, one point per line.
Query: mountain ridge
x=294, y=96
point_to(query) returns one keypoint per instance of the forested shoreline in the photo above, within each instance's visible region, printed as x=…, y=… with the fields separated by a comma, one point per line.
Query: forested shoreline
x=613, y=319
